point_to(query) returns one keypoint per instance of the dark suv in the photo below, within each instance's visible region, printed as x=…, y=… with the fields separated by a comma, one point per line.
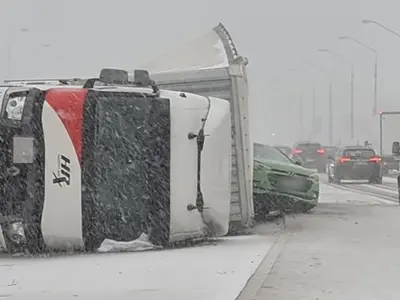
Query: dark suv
x=312, y=155
x=355, y=163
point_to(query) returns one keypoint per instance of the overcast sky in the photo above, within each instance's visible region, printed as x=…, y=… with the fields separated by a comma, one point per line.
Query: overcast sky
x=77, y=38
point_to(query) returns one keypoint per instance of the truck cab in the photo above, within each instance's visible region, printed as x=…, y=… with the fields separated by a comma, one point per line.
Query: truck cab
x=111, y=159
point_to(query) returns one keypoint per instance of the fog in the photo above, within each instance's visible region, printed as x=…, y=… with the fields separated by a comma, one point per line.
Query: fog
x=52, y=38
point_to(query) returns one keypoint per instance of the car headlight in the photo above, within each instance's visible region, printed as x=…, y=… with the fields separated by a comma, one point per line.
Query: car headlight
x=16, y=113
x=15, y=107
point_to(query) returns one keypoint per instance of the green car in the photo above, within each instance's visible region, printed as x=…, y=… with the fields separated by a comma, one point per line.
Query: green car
x=280, y=184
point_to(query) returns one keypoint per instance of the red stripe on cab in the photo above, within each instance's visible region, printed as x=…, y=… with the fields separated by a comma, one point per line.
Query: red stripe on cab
x=68, y=104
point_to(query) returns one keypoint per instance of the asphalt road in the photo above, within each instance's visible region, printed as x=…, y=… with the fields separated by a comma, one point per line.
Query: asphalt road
x=339, y=251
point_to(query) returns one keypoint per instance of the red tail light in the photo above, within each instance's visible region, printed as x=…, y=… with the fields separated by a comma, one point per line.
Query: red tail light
x=297, y=151
x=375, y=159
x=344, y=159
x=321, y=151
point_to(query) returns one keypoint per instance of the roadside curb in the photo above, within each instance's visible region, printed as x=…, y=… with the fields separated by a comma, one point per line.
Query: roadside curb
x=255, y=282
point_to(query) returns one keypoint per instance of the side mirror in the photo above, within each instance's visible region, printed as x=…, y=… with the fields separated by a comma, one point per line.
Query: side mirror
x=396, y=148
x=297, y=162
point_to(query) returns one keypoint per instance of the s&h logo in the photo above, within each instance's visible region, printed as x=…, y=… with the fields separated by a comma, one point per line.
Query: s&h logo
x=63, y=175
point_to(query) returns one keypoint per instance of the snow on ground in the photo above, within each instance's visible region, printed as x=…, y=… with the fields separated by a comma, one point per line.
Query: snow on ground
x=212, y=271
x=391, y=180
x=338, y=252
x=332, y=194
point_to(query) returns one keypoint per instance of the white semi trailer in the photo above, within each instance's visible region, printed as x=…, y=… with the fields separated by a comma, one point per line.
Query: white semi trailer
x=211, y=66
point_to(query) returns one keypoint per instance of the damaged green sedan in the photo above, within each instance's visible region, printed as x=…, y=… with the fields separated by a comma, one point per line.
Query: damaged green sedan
x=280, y=184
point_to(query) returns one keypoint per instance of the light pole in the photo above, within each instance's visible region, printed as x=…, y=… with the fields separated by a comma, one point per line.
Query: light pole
x=375, y=106
x=347, y=61
x=367, y=21
x=314, y=104
x=330, y=102
x=9, y=51
x=301, y=109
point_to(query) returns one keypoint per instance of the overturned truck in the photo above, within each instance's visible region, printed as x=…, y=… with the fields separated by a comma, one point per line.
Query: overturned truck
x=108, y=158
x=212, y=66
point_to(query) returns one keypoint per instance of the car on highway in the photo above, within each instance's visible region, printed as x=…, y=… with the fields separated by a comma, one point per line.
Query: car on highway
x=281, y=184
x=284, y=149
x=311, y=155
x=355, y=163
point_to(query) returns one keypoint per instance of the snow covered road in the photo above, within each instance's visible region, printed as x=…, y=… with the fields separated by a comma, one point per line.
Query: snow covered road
x=211, y=271
x=347, y=248
x=216, y=270
x=385, y=193
x=358, y=194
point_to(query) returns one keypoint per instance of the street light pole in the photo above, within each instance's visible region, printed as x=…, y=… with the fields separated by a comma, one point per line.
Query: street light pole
x=330, y=109
x=330, y=99
x=375, y=109
x=352, y=104
x=313, y=103
x=375, y=105
x=367, y=21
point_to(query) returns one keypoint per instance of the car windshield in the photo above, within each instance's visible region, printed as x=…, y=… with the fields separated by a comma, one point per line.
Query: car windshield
x=359, y=153
x=270, y=153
